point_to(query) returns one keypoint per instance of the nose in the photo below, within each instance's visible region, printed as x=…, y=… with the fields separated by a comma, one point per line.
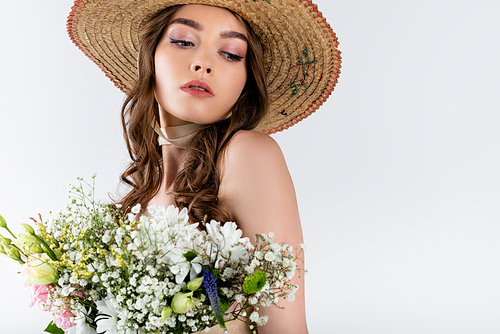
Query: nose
x=201, y=67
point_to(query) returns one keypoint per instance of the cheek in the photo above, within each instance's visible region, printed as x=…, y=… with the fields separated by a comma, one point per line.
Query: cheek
x=236, y=83
x=163, y=70
x=166, y=75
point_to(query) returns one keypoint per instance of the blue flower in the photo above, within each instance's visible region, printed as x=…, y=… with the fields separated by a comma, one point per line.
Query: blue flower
x=210, y=286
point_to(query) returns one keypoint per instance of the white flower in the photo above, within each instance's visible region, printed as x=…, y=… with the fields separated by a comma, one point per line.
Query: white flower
x=290, y=274
x=287, y=263
x=106, y=238
x=107, y=318
x=254, y=317
x=302, y=246
x=249, y=270
x=265, y=302
x=227, y=239
x=81, y=324
x=136, y=209
x=259, y=255
x=275, y=247
x=270, y=256
x=229, y=272
x=262, y=320
x=130, y=217
x=239, y=298
x=291, y=298
x=195, y=267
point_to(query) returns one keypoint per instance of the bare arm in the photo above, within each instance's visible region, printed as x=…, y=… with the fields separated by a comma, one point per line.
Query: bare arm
x=257, y=192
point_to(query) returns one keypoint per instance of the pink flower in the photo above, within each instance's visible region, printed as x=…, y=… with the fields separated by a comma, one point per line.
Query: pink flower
x=39, y=294
x=63, y=321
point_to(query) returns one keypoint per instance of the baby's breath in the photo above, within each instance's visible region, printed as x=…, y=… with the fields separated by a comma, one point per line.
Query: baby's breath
x=132, y=269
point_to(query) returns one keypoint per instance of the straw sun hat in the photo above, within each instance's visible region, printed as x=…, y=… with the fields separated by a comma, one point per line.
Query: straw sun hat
x=301, y=58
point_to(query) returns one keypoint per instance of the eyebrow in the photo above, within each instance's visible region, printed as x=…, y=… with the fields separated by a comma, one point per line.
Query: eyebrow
x=233, y=34
x=195, y=25
x=189, y=23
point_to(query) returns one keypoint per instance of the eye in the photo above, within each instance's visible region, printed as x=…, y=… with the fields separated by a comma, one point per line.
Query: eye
x=231, y=56
x=181, y=43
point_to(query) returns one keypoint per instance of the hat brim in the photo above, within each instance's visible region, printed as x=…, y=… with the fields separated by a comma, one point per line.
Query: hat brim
x=302, y=62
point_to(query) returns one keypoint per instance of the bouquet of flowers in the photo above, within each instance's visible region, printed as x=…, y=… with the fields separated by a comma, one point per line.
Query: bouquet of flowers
x=98, y=270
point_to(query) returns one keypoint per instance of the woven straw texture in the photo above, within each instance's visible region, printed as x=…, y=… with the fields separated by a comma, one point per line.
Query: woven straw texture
x=300, y=48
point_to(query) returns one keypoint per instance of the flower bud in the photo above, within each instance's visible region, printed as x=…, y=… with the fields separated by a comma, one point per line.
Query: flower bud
x=2, y=251
x=182, y=302
x=13, y=253
x=29, y=242
x=3, y=223
x=28, y=228
x=5, y=241
x=166, y=313
x=195, y=284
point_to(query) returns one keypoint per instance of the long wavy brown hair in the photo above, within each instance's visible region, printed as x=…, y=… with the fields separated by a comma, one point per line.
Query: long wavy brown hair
x=197, y=184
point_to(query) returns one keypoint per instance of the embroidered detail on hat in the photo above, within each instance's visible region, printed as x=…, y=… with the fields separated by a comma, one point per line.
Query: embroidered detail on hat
x=305, y=65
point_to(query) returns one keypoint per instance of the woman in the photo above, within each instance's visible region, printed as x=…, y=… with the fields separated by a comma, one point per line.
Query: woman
x=207, y=75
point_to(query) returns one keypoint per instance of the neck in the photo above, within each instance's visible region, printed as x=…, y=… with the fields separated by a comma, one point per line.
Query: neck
x=172, y=159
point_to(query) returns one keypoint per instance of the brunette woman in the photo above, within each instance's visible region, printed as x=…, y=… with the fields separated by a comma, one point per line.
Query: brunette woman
x=199, y=79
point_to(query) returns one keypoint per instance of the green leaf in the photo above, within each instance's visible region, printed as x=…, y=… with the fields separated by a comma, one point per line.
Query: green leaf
x=224, y=303
x=52, y=328
x=190, y=255
x=223, y=300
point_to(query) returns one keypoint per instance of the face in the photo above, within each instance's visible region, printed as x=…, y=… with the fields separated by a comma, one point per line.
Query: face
x=200, y=65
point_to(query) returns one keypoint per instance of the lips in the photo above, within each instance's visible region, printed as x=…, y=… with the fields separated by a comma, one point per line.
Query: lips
x=197, y=88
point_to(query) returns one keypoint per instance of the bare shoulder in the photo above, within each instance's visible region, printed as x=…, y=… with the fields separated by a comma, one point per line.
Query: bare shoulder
x=252, y=150
x=256, y=188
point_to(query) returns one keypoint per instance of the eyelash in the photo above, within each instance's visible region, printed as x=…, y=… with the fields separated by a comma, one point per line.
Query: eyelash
x=181, y=42
x=184, y=44
x=231, y=56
